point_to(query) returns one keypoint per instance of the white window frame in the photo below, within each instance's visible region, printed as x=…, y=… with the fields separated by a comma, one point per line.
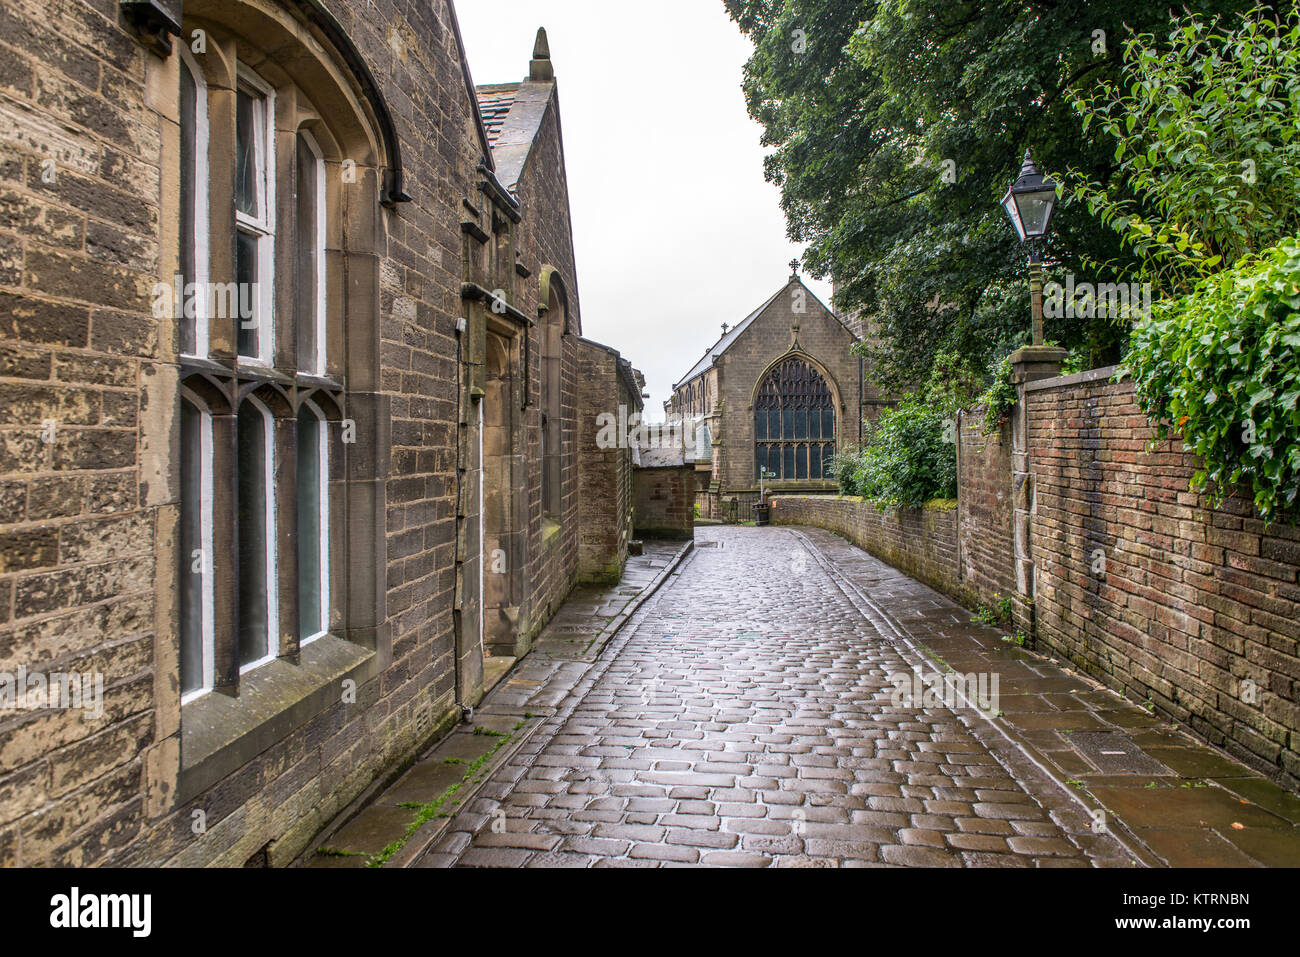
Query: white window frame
x=201, y=211
x=263, y=225
x=206, y=547
x=320, y=315
x=272, y=584
x=323, y=500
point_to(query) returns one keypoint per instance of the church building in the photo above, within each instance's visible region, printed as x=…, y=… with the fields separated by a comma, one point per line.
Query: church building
x=773, y=399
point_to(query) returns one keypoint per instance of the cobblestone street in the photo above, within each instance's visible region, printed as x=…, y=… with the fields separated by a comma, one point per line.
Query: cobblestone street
x=760, y=731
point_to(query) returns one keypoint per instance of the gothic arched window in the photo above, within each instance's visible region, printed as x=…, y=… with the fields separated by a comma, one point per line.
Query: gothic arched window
x=262, y=321
x=794, y=423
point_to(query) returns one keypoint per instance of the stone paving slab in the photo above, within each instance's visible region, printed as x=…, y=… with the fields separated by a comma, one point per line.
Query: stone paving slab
x=396, y=825
x=1186, y=803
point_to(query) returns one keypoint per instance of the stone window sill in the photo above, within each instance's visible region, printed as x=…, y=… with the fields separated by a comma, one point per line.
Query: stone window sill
x=220, y=734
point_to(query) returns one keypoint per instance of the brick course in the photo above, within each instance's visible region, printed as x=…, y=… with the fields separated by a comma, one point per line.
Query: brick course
x=1193, y=602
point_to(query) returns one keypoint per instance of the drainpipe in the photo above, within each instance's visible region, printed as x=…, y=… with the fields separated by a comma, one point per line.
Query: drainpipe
x=466, y=714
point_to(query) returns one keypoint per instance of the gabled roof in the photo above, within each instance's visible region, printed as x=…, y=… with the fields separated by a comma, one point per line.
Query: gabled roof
x=495, y=101
x=729, y=338
x=512, y=114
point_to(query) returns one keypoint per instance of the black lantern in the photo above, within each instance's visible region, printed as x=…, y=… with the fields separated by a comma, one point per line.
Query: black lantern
x=1030, y=201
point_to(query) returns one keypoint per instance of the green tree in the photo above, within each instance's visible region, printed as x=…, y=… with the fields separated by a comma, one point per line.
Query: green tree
x=1205, y=124
x=896, y=126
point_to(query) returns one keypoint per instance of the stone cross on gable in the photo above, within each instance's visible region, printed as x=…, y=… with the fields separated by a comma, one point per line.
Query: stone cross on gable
x=794, y=268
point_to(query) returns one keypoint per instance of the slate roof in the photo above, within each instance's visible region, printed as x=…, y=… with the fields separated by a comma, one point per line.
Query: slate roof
x=723, y=344
x=495, y=101
x=726, y=342
x=656, y=458
x=512, y=115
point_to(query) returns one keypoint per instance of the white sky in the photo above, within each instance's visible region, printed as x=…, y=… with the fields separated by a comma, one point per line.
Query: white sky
x=676, y=231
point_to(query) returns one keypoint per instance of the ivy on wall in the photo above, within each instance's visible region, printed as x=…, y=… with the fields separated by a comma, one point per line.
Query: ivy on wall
x=1221, y=368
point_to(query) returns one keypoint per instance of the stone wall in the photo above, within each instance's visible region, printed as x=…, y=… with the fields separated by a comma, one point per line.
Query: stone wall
x=545, y=243
x=1145, y=586
x=605, y=502
x=665, y=502
x=87, y=533
x=89, y=442
x=921, y=542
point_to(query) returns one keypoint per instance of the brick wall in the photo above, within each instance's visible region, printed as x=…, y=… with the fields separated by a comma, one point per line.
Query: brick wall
x=1191, y=602
x=665, y=502
x=921, y=542
x=984, y=509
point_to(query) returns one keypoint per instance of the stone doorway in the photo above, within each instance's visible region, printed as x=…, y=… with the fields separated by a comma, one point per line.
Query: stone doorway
x=502, y=524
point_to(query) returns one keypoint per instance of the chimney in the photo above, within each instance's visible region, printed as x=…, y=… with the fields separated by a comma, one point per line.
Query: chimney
x=540, y=70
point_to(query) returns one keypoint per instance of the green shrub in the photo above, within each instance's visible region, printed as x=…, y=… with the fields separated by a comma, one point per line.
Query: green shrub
x=844, y=467
x=909, y=456
x=1000, y=397
x=1221, y=367
x=1207, y=149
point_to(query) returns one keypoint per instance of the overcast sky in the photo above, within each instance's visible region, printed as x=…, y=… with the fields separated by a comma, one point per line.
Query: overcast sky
x=676, y=230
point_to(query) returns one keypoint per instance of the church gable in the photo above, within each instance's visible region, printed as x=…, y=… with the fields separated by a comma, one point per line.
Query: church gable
x=793, y=321
x=789, y=397
x=522, y=122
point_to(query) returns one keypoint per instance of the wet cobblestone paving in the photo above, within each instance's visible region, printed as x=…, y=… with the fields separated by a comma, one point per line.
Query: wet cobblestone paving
x=744, y=717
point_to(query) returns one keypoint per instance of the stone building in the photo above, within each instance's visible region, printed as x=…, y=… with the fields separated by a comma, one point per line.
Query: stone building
x=293, y=412
x=780, y=392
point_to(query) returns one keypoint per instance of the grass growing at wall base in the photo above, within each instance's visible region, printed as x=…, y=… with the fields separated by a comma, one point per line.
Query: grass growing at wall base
x=427, y=812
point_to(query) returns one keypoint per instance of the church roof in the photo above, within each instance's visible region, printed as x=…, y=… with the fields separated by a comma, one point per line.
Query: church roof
x=728, y=338
x=731, y=335
x=512, y=114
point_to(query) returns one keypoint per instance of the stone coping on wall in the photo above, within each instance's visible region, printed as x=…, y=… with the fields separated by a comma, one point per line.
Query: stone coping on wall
x=934, y=505
x=1076, y=378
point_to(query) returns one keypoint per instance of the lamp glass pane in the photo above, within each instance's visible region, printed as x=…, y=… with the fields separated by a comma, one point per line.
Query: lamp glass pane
x=1035, y=210
x=1009, y=204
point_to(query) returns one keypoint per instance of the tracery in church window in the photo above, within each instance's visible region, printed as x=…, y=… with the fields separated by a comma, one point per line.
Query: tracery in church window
x=794, y=423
